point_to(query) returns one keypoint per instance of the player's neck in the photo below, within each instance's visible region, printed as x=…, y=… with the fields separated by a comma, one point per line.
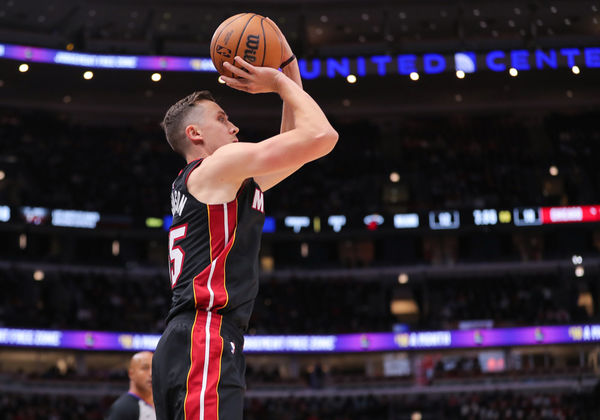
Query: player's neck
x=189, y=159
x=195, y=154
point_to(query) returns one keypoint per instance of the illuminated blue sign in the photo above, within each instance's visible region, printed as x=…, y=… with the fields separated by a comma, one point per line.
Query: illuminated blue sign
x=465, y=61
x=167, y=222
x=120, y=62
x=332, y=67
x=269, y=225
x=468, y=62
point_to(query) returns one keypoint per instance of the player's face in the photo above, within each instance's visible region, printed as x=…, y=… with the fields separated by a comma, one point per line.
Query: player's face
x=140, y=372
x=216, y=128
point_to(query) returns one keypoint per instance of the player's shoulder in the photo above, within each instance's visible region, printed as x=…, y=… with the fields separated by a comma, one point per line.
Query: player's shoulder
x=218, y=169
x=236, y=153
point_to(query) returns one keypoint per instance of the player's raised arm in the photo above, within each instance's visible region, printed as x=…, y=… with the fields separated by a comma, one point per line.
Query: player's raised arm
x=290, y=68
x=312, y=135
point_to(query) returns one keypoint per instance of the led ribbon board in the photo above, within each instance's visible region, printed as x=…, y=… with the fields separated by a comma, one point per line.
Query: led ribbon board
x=331, y=67
x=105, y=61
x=438, y=220
x=342, y=343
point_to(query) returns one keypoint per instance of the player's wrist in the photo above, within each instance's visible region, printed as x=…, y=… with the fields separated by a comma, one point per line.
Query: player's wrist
x=282, y=83
x=280, y=80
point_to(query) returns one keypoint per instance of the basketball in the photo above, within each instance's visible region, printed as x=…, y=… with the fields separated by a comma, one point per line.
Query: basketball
x=249, y=36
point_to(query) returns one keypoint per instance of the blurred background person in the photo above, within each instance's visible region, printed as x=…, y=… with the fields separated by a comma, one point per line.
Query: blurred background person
x=137, y=403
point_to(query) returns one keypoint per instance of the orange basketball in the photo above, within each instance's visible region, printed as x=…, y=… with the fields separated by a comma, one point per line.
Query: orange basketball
x=250, y=36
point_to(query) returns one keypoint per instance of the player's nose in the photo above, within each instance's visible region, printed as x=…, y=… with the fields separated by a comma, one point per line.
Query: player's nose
x=234, y=129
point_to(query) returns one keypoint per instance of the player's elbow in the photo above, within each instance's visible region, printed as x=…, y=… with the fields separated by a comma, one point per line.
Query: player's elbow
x=331, y=136
x=326, y=140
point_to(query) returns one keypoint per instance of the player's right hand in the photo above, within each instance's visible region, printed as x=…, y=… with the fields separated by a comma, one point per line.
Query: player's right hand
x=252, y=79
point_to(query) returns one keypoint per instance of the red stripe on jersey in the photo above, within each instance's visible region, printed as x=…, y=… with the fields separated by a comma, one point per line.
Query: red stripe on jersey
x=201, y=292
x=216, y=230
x=206, y=349
x=210, y=291
x=218, y=283
x=233, y=207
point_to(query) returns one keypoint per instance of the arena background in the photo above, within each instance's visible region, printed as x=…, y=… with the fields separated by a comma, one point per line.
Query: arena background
x=441, y=263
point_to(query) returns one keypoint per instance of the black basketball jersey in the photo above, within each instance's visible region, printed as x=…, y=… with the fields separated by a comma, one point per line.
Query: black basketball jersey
x=131, y=407
x=213, y=251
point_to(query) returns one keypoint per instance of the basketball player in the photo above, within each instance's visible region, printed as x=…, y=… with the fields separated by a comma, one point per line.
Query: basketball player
x=218, y=214
x=137, y=403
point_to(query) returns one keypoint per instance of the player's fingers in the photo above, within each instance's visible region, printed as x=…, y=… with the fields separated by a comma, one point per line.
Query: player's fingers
x=228, y=80
x=235, y=70
x=234, y=82
x=240, y=61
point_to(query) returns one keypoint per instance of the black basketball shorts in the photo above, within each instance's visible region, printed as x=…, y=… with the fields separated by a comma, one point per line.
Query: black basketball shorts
x=198, y=369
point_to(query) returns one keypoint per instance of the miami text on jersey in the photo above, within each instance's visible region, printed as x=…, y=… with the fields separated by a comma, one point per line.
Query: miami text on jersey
x=259, y=201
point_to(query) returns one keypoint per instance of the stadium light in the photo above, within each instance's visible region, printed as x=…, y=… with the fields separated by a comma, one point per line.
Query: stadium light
x=513, y=72
x=460, y=74
x=575, y=70
x=220, y=80
x=88, y=75
x=156, y=77
x=351, y=79
x=38, y=275
x=414, y=76
x=23, y=67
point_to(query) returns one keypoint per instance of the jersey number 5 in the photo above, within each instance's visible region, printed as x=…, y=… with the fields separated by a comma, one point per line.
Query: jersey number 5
x=176, y=254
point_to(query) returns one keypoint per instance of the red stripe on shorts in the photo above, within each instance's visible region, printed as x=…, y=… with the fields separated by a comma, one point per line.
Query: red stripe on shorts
x=202, y=399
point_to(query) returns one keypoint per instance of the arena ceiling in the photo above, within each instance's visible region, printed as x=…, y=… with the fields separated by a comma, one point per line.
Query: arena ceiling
x=316, y=29
x=322, y=27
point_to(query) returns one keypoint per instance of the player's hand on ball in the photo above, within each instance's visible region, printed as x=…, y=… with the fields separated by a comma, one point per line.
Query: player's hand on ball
x=252, y=79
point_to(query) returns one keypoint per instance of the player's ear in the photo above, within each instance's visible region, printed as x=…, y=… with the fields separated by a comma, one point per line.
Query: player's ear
x=194, y=133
